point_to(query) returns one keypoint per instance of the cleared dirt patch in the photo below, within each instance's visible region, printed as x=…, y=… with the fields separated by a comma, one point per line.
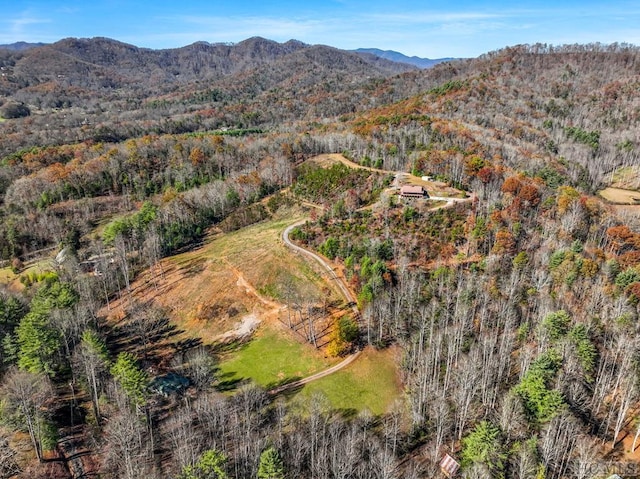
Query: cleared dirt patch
x=246, y=326
x=620, y=196
x=230, y=284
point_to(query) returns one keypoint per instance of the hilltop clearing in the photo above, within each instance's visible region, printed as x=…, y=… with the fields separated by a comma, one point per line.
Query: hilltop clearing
x=232, y=280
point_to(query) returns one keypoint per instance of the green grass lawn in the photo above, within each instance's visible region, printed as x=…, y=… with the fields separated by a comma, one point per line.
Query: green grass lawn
x=371, y=382
x=269, y=359
x=7, y=276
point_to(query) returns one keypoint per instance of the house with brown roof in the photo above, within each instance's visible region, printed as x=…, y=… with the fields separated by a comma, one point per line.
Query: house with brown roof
x=413, y=191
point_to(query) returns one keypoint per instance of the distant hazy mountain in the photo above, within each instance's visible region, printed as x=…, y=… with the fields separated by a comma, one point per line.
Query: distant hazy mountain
x=400, y=58
x=98, y=63
x=20, y=46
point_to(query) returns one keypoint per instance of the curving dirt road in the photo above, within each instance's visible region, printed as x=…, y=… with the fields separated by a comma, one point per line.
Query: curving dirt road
x=346, y=292
x=300, y=382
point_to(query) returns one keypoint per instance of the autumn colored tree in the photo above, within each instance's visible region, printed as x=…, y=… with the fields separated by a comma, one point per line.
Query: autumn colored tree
x=504, y=243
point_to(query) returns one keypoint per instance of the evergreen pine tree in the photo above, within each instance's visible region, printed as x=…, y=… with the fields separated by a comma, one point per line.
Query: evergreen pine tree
x=270, y=466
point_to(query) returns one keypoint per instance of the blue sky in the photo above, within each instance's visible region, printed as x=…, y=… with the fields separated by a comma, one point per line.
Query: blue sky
x=428, y=29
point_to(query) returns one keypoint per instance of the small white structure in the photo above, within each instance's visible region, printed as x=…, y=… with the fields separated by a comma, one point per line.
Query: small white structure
x=61, y=257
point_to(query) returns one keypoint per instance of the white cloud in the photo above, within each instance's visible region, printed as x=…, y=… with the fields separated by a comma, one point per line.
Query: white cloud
x=243, y=27
x=430, y=17
x=19, y=25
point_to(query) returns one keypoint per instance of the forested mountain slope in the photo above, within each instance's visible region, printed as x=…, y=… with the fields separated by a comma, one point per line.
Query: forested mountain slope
x=123, y=91
x=160, y=69
x=535, y=103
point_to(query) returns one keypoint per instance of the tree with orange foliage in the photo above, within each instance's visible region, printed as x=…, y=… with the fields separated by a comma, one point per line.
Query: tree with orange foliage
x=619, y=237
x=505, y=243
x=530, y=194
x=566, y=196
x=511, y=185
x=196, y=156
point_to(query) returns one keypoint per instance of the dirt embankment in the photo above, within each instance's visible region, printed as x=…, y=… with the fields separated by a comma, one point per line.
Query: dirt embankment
x=621, y=196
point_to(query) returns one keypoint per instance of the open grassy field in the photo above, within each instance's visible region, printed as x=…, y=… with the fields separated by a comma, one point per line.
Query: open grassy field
x=371, y=382
x=259, y=253
x=12, y=281
x=271, y=358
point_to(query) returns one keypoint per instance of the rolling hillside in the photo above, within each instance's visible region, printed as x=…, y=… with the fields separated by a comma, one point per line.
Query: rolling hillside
x=144, y=195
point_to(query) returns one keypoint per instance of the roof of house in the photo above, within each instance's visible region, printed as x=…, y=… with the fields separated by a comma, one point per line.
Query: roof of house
x=412, y=189
x=449, y=465
x=170, y=383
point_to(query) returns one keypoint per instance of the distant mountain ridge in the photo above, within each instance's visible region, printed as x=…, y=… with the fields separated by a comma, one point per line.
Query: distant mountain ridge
x=102, y=62
x=82, y=58
x=20, y=46
x=390, y=55
x=401, y=58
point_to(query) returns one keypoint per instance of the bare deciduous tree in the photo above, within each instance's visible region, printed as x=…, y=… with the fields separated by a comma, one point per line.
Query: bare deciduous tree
x=26, y=395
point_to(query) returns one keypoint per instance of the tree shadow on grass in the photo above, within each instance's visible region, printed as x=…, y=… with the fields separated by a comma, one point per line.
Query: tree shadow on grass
x=281, y=383
x=151, y=345
x=229, y=346
x=184, y=345
x=288, y=393
x=194, y=268
x=347, y=412
x=227, y=382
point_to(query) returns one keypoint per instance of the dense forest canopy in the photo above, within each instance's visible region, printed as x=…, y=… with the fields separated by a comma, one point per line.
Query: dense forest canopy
x=508, y=294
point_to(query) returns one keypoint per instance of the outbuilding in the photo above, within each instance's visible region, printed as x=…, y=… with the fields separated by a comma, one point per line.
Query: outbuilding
x=449, y=466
